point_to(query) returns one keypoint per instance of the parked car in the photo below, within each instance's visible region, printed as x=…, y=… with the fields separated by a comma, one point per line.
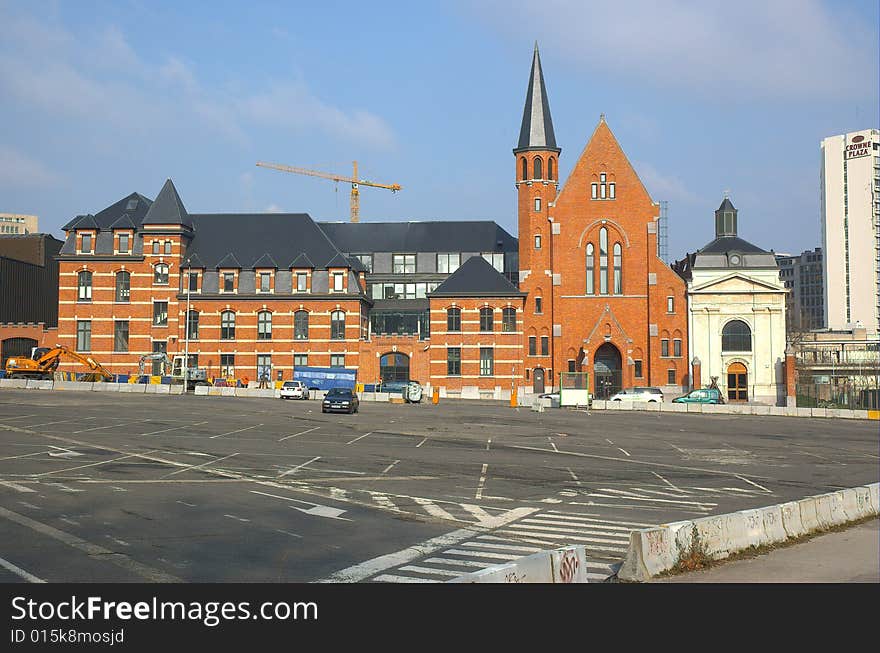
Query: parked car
x=651, y=395
x=294, y=390
x=700, y=396
x=340, y=400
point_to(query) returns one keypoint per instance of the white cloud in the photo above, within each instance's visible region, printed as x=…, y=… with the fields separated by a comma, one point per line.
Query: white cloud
x=782, y=49
x=663, y=187
x=19, y=171
x=273, y=208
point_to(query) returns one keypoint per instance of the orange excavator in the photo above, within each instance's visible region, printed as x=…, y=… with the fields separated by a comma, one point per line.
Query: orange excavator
x=44, y=361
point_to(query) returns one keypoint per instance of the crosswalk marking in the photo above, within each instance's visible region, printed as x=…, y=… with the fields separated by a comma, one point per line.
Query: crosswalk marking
x=573, y=517
x=16, y=486
x=454, y=561
x=427, y=570
x=432, y=509
x=391, y=578
x=508, y=547
x=483, y=554
x=559, y=522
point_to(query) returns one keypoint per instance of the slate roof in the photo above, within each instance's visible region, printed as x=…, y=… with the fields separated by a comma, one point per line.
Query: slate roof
x=265, y=261
x=168, y=208
x=476, y=277
x=536, y=131
x=731, y=244
x=302, y=261
x=134, y=205
x=123, y=222
x=439, y=236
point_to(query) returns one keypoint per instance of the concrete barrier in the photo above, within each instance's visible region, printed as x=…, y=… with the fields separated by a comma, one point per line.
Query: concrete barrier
x=138, y=388
x=875, y=497
x=202, y=390
x=13, y=383
x=761, y=410
x=105, y=387
x=804, y=412
x=655, y=550
x=564, y=565
x=653, y=406
x=33, y=384
x=73, y=386
x=818, y=412
x=778, y=411
x=694, y=408
x=569, y=565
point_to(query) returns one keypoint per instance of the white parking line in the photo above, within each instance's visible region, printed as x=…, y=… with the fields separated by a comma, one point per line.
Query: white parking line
x=175, y=428
x=287, y=437
x=291, y=471
x=482, y=481
x=27, y=455
x=6, y=419
x=390, y=466
x=421, y=443
x=16, y=486
x=18, y=571
x=743, y=478
x=63, y=421
x=247, y=428
x=111, y=426
x=359, y=438
x=623, y=450
x=103, y=462
x=191, y=467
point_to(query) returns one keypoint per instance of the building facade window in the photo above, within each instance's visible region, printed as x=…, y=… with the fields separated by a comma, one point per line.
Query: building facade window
x=676, y=347
x=637, y=369
x=487, y=319
x=591, y=268
x=538, y=168
x=603, y=261
x=86, y=247
x=448, y=263
x=338, y=282
x=123, y=286
x=664, y=347
x=229, y=282
x=571, y=365
x=227, y=325
x=533, y=345
x=537, y=241
x=545, y=346
x=337, y=360
x=670, y=377
x=265, y=281
x=453, y=319
x=670, y=304
x=537, y=204
x=337, y=325
x=539, y=308
x=525, y=169
x=83, y=335
x=84, y=286
x=487, y=361
x=120, y=335
x=300, y=360
x=550, y=168
x=160, y=274
x=160, y=313
x=618, y=269
x=403, y=263
x=192, y=325
x=594, y=191
x=508, y=320
x=301, y=325
x=156, y=246
x=264, y=325
x=302, y=282
x=366, y=260
x=736, y=336
x=193, y=282
x=167, y=246
x=264, y=367
x=453, y=361
x=124, y=246
x=496, y=259
x=227, y=365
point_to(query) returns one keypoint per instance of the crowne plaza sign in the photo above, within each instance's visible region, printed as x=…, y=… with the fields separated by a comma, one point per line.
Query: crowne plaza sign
x=857, y=147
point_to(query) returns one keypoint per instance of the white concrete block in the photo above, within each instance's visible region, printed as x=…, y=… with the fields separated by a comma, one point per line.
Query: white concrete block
x=470, y=392
x=792, y=411
x=105, y=387
x=761, y=409
x=568, y=565
x=178, y=389
x=34, y=384
x=850, y=503
x=651, y=551
x=778, y=411
x=676, y=408
x=600, y=404
x=694, y=408
x=73, y=386
x=809, y=514
x=804, y=412
x=774, y=527
x=20, y=384
x=163, y=389
x=151, y=389
x=738, y=409
x=875, y=496
x=863, y=502
x=653, y=406
x=791, y=519
x=860, y=414
x=818, y=412
x=201, y=390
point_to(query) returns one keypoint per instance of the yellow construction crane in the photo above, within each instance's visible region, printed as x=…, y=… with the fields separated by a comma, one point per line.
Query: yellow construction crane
x=353, y=180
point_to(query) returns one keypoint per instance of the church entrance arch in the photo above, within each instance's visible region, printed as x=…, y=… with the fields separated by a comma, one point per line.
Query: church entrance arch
x=608, y=371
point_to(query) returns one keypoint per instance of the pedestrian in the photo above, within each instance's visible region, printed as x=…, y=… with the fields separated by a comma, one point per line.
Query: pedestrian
x=264, y=381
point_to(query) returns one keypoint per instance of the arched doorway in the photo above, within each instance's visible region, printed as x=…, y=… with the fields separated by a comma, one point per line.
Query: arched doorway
x=607, y=371
x=538, y=380
x=16, y=347
x=737, y=382
x=394, y=367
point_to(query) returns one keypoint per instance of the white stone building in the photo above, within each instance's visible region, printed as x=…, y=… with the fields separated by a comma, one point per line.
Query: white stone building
x=736, y=315
x=850, y=214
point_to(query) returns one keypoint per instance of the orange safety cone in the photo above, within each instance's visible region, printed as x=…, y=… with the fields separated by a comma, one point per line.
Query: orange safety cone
x=435, y=396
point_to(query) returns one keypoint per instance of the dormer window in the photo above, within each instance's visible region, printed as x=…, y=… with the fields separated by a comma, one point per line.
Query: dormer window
x=124, y=246
x=265, y=282
x=338, y=282
x=86, y=244
x=228, y=282
x=302, y=282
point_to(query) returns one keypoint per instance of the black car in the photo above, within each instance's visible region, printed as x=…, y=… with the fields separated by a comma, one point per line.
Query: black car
x=340, y=400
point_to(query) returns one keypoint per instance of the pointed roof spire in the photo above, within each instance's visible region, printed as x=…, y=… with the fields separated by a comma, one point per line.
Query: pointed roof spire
x=536, y=132
x=168, y=208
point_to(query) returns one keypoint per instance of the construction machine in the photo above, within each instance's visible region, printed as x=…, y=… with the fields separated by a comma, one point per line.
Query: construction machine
x=194, y=375
x=45, y=360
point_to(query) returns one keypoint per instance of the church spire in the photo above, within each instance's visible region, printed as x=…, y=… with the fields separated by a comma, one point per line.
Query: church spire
x=536, y=132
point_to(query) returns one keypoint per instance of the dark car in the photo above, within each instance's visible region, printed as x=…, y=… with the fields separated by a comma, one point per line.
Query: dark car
x=340, y=400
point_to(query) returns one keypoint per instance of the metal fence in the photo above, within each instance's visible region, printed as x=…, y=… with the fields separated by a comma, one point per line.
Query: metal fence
x=855, y=393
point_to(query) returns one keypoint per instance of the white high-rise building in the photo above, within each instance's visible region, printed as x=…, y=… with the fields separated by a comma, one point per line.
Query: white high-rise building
x=850, y=201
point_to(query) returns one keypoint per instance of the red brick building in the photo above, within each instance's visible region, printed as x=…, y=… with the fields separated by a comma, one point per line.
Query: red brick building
x=600, y=299
x=460, y=305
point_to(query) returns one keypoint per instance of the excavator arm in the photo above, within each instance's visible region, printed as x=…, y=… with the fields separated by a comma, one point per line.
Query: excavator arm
x=49, y=361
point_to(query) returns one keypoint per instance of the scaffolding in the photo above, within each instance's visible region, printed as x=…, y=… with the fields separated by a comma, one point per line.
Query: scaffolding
x=663, y=232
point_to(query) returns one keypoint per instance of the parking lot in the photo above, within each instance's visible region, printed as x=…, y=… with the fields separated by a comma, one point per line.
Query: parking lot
x=97, y=487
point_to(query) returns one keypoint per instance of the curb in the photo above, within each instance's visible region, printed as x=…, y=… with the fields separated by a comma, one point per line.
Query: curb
x=740, y=409
x=655, y=550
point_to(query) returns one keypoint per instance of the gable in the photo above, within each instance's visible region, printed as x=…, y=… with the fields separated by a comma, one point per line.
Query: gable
x=735, y=283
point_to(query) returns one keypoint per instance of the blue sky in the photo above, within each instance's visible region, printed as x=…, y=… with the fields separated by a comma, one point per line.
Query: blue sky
x=99, y=99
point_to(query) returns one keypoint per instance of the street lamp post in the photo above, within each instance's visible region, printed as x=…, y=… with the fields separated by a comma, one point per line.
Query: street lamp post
x=186, y=330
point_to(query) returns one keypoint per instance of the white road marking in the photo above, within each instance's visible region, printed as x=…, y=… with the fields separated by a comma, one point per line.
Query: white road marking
x=175, y=428
x=482, y=481
x=483, y=554
x=525, y=550
x=191, y=467
x=338, y=494
x=592, y=519
x=65, y=488
x=619, y=494
x=93, y=550
x=316, y=510
x=453, y=561
x=118, y=541
x=291, y=471
x=18, y=571
x=552, y=444
x=111, y=426
x=815, y=455
x=6, y=419
x=62, y=421
x=488, y=444
x=16, y=486
x=247, y=428
x=574, y=527
x=238, y=518
x=359, y=438
x=623, y=450
x=65, y=453
x=608, y=441
x=433, y=510
x=391, y=578
x=481, y=515
x=27, y=455
x=281, y=530
x=760, y=487
x=667, y=482
x=189, y=505
x=429, y=571
x=102, y=462
x=384, y=501
x=573, y=477
x=118, y=489
x=287, y=437
x=384, y=471
x=72, y=522
x=30, y=505
x=421, y=443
